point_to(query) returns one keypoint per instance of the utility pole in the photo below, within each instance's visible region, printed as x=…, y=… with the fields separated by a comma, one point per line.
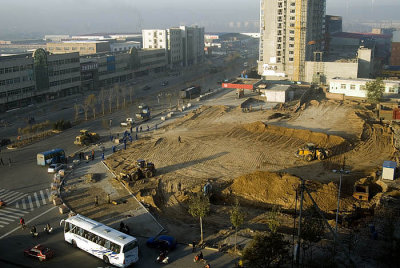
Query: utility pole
x=299, y=228
x=341, y=172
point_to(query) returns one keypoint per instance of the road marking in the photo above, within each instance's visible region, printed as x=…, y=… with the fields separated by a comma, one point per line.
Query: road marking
x=24, y=204
x=17, y=210
x=48, y=194
x=30, y=202
x=36, y=199
x=17, y=198
x=7, y=195
x=17, y=205
x=18, y=228
x=43, y=198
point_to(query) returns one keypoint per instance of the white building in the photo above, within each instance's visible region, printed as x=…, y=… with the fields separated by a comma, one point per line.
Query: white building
x=125, y=46
x=357, y=87
x=277, y=93
x=184, y=45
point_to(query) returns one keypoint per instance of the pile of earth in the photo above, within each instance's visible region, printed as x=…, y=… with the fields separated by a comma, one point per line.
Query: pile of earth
x=279, y=189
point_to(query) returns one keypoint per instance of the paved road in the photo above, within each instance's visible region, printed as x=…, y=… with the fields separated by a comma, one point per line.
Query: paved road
x=26, y=188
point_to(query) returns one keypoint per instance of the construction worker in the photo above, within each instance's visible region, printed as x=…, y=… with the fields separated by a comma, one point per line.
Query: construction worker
x=108, y=199
x=92, y=155
x=96, y=200
x=179, y=139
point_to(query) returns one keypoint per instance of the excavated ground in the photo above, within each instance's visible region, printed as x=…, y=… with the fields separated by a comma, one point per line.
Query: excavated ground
x=249, y=156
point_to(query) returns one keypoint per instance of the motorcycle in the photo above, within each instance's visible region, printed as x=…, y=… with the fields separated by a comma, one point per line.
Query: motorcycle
x=199, y=258
x=48, y=229
x=162, y=258
x=2, y=203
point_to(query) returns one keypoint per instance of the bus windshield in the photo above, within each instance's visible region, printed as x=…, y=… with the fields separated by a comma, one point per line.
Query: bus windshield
x=130, y=246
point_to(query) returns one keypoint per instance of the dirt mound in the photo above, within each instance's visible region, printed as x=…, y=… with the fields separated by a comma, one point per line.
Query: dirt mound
x=280, y=189
x=205, y=113
x=318, y=138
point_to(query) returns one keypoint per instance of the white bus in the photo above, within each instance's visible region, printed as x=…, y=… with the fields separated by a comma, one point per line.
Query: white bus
x=108, y=244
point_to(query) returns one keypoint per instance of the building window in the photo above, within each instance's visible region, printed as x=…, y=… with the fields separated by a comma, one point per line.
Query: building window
x=290, y=59
x=343, y=86
x=291, y=52
x=353, y=87
x=362, y=87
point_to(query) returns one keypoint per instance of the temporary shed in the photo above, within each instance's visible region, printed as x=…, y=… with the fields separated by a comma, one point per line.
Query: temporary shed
x=389, y=168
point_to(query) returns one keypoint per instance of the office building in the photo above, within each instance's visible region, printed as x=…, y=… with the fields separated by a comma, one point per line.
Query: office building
x=84, y=47
x=290, y=32
x=29, y=78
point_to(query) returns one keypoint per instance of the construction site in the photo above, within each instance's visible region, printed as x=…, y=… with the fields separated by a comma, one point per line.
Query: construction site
x=260, y=157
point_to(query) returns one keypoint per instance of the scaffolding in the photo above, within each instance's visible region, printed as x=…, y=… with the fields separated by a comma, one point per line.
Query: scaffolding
x=299, y=40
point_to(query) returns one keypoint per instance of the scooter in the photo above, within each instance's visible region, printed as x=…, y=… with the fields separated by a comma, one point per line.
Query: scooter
x=199, y=258
x=2, y=203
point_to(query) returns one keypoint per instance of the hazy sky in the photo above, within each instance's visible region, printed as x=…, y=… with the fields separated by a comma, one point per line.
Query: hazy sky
x=88, y=16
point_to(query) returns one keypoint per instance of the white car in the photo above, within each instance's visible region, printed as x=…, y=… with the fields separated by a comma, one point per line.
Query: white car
x=53, y=168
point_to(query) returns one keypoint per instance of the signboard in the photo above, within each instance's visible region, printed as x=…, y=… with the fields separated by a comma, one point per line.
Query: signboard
x=271, y=70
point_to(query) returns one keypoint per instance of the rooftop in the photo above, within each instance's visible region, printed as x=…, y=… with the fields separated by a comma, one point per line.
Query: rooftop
x=361, y=35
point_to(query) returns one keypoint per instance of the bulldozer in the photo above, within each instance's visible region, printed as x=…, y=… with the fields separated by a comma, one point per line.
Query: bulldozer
x=143, y=169
x=311, y=152
x=86, y=137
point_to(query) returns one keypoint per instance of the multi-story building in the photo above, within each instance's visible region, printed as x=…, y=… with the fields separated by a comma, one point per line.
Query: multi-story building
x=290, y=32
x=184, y=45
x=84, y=47
x=103, y=69
x=28, y=78
x=395, y=53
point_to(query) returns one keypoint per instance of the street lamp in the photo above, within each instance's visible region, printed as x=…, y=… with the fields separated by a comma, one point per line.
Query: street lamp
x=341, y=172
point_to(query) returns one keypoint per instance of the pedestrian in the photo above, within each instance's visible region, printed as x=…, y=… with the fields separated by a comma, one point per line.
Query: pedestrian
x=131, y=130
x=148, y=128
x=102, y=156
x=96, y=200
x=136, y=129
x=136, y=136
x=193, y=246
x=22, y=223
x=108, y=199
x=124, y=144
x=141, y=128
x=92, y=155
x=179, y=139
x=1, y=161
x=9, y=162
x=156, y=126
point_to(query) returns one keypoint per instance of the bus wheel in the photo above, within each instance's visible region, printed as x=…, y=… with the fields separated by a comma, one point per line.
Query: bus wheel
x=73, y=243
x=105, y=259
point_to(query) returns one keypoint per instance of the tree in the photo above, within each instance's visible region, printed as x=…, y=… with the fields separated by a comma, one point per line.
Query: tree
x=273, y=221
x=375, y=90
x=237, y=218
x=312, y=230
x=199, y=206
x=90, y=102
x=110, y=98
x=265, y=250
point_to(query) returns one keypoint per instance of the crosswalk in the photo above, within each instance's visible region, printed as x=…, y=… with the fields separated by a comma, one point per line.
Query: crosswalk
x=19, y=204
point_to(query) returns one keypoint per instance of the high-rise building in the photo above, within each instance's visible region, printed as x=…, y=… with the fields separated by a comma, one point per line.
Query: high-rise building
x=290, y=32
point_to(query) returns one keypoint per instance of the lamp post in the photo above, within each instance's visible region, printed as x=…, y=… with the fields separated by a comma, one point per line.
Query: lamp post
x=341, y=172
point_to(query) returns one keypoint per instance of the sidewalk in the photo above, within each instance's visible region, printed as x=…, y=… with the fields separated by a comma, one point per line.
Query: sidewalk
x=79, y=195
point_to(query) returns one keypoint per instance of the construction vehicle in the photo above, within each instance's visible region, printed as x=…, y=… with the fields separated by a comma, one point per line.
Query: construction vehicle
x=86, y=137
x=361, y=192
x=144, y=112
x=143, y=169
x=311, y=152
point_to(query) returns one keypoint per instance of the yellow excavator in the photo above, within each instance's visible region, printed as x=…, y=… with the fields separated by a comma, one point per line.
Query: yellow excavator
x=86, y=137
x=311, y=152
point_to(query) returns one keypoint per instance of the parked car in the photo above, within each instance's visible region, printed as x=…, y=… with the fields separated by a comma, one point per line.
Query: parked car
x=164, y=83
x=146, y=87
x=163, y=242
x=39, y=251
x=53, y=168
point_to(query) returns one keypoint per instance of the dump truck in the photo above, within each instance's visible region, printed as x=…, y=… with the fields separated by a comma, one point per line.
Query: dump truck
x=311, y=152
x=144, y=112
x=143, y=169
x=86, y=137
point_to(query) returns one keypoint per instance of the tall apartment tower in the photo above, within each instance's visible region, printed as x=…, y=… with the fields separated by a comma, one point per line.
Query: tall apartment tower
x=291, y=31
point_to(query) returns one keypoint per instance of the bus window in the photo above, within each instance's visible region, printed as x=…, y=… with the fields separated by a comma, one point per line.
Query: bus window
x=107, y=244
x=66, y=228
x=115, y=248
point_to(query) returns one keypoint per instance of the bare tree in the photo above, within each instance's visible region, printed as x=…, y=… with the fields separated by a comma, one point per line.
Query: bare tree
x=110, y=98
x=102, y=99
x=90, y=103
x=199, y=206
x=117, y=92
x=131, y=92
x=237, y=218
x=76, y=107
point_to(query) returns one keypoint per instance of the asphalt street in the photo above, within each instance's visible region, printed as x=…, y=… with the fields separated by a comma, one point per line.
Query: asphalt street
x=26, y=186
